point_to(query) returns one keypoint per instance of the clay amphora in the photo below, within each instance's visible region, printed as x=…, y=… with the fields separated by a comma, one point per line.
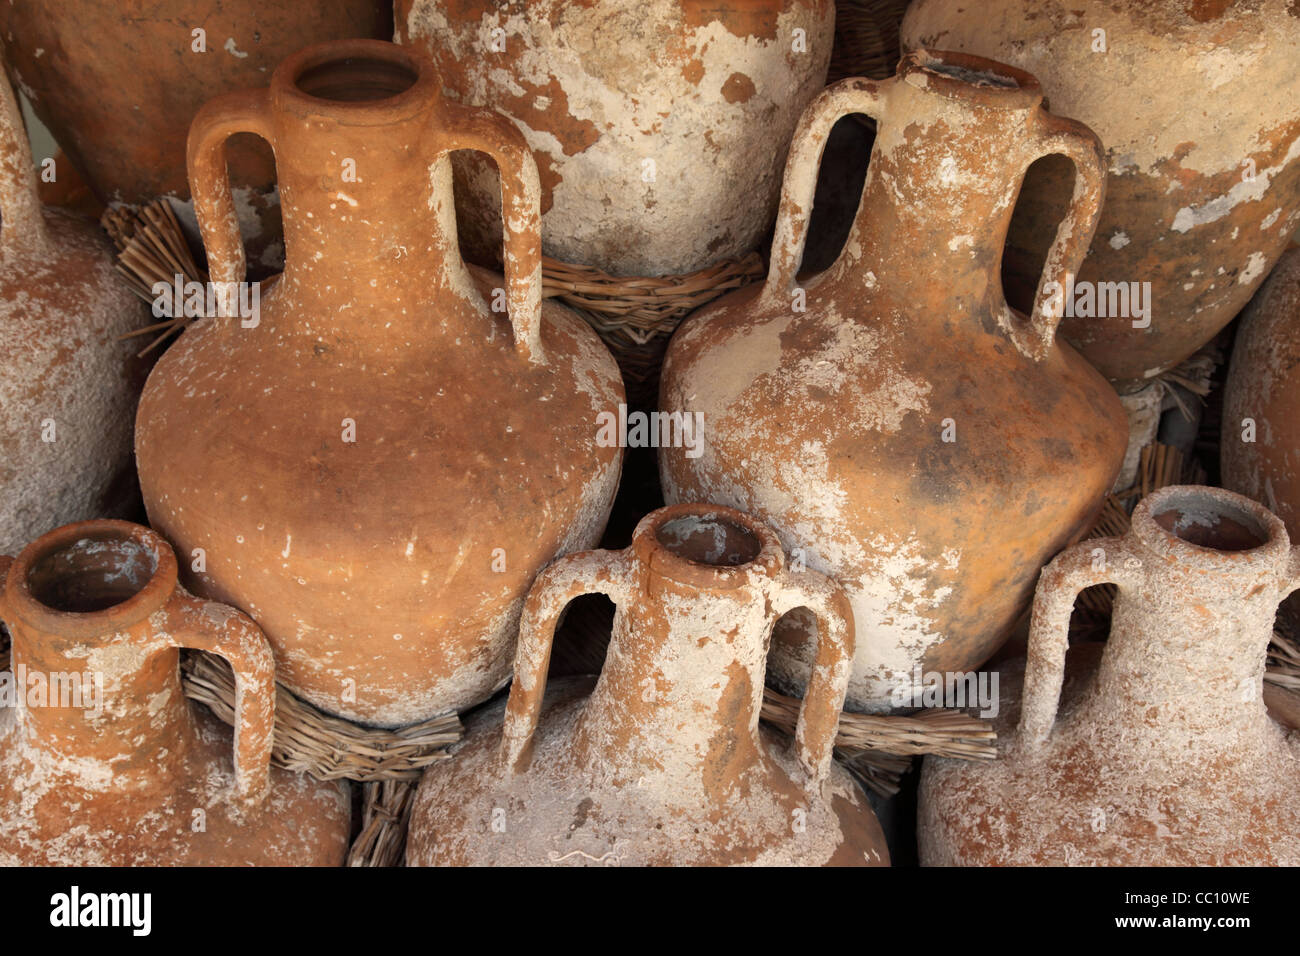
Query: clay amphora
x=68, y=385
x=891, y=418
x=1198, y=105
x=1260, y=444
x=664, y=761
x=659, y=127
x=1159, y=749
x=376, y=467
x=119, y=83
x=103, y=762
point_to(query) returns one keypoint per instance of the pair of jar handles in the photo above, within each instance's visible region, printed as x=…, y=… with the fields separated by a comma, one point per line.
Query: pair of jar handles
x=487, y=131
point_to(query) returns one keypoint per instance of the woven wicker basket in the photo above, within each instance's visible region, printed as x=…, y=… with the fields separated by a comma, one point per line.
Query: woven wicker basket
x=866, y=38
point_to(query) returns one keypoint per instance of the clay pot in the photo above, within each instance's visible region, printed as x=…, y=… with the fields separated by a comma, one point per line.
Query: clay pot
x=943, y=447
x=1260, y=444
x=1160, y=750
x=659, y=128
x=664, y=761
x=118, y=84
x=68, y=386
x=1198, y=104
x=103, y=762
x=377, y=468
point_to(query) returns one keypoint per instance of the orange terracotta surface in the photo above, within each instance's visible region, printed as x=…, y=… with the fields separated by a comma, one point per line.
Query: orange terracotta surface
x=1260, y=444
x=1198, y=105
x=116, y=767
x=899, y=426
x=68, y=385
x=119, y=83
x=1155, y=748
x=376, y=469
x=659, y=127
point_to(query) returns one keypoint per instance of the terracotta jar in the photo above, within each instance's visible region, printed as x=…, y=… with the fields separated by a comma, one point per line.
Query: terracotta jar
x=377, y=465
x=118, y=84
x=1198, y=104
x=659, y=127
x=664, y=761
x=103, y=762
x=900, y=427
x=68, y=385
x=1260, y=444
x=1158, y=751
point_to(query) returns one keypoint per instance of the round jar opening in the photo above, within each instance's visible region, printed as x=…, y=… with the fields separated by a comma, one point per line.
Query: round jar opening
x=357, y=79
x=1212, y=524
x=710, y=541
x=91, y=574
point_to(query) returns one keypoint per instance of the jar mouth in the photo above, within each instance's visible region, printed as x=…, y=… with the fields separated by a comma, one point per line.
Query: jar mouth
x=91, y=577
x=368, y=81
x=962, y=75
x=707, y=545
x=1194, y=522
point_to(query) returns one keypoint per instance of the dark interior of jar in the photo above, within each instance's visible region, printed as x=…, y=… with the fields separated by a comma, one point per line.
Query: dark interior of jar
x=710, y=541
x=1212, y=524
x=91, y=575
x=356, y=79
x=965, y=74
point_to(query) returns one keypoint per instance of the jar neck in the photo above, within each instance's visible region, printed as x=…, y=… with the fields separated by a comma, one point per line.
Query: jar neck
x=941, y=186
x=679, y=696
x=115, y=698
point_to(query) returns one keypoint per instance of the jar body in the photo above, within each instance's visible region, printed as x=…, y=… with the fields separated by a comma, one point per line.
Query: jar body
x=468, y=812
x=1085, y=802
x=185, y=818
x=1261, y=405
x=68, y=393
x=659, y=128
x=380, y=517
x=931, y=469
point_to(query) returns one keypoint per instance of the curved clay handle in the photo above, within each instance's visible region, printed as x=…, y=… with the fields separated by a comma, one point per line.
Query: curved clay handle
x=487, y=131
x=823, y=699
x=22, y=222
x=799, y=184
x=588, y=572
x=1057, y=135
x=1059, y=584
x=224, y=631
x=241, y=111
x=1289, y=586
